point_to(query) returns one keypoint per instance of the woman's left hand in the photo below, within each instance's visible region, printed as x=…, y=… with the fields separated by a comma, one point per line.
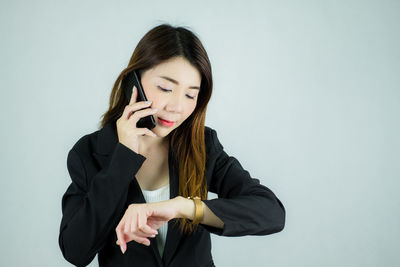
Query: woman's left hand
x=141, y=220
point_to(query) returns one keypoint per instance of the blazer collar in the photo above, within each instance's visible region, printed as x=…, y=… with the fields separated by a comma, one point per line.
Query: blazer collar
x=106, y=141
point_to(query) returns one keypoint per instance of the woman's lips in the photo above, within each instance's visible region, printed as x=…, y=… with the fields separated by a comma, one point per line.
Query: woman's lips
x=166, y=122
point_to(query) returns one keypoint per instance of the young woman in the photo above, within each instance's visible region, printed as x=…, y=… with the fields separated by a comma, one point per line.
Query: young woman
x=138, y=197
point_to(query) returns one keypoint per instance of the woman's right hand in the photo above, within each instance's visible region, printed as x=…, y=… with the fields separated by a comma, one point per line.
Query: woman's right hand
x=128, y=133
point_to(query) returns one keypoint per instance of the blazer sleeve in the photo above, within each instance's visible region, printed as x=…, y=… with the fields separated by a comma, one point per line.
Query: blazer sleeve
x=244, y=205
x=91, y=205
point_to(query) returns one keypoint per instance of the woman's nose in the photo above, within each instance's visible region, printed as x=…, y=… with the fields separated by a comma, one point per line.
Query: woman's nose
x=175, y=104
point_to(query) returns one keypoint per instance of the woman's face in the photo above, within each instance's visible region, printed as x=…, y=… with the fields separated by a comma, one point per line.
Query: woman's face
x=174, y=106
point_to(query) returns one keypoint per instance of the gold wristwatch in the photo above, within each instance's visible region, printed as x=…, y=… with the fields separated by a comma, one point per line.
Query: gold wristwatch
x=198, y=215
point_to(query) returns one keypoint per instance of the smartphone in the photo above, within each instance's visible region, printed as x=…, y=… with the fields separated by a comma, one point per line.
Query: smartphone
x=133, y=79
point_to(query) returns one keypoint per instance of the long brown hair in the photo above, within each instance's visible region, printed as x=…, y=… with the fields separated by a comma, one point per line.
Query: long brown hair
x=187, y=141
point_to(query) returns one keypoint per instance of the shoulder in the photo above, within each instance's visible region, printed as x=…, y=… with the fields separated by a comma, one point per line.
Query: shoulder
x=211, y=140
x=86, y=144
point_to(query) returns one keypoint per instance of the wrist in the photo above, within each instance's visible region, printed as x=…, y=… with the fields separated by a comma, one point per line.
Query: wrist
x=185, y=208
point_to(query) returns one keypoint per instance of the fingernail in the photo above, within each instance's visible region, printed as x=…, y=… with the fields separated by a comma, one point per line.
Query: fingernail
x=148, y=102
x=154, y=109
x=123, y=252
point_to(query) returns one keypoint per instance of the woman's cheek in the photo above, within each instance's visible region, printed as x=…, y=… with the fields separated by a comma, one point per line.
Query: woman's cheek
x=193, y=106
x=190, y=109
x=151, y=94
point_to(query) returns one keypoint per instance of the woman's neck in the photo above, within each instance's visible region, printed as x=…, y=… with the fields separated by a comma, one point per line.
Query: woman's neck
x=149, y=144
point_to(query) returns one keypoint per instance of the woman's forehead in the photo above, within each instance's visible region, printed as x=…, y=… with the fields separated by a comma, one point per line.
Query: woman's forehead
x=176, y=72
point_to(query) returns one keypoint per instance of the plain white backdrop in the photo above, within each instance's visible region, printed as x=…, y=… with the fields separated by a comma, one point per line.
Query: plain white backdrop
x=306, y=97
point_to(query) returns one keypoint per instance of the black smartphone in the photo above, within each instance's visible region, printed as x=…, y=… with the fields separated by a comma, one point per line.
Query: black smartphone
x=133, y=79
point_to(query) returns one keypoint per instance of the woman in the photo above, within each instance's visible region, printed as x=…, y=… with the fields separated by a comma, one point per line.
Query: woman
x=133, y=194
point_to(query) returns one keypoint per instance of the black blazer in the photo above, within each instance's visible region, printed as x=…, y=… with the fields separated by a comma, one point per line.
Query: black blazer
x=103, y=184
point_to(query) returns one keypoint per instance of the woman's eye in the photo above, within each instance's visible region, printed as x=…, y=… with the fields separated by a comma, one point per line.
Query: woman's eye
x=163, y=89
x=166, y=90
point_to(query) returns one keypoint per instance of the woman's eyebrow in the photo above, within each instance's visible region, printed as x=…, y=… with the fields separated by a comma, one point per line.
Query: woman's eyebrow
x=176, y=82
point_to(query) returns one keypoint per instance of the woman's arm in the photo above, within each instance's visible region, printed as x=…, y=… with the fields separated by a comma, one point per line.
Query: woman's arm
x=186, y=209
x=245, y=206
x=92, y=206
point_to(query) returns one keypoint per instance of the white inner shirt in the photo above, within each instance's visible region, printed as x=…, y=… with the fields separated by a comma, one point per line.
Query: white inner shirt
x=160, y=194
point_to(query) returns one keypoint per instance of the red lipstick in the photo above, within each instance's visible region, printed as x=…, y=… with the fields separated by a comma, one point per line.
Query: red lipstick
x=166, y=122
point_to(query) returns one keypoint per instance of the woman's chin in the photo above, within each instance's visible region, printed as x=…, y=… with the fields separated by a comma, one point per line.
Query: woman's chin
x=162, y=131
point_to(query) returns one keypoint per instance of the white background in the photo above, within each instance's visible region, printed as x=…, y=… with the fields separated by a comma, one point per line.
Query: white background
x=306, y=96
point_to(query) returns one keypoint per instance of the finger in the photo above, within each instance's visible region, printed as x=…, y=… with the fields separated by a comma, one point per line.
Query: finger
x=142, y=113
x=152, y=224
x=127, y=226
x=147, y=232
x=133, y=96
x=143, y=227
x=145, y=131
x=130, y=237
x=127, y=239
x=134, y=223
x=141, y=240
x=132, y=108
x=150, y=132
x=139, y=232
x=121, y=241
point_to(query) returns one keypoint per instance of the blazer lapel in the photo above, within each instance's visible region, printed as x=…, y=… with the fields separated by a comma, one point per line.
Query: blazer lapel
x=106, y=142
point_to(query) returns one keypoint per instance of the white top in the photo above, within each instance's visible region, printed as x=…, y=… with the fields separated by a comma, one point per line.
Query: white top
x=159, y=194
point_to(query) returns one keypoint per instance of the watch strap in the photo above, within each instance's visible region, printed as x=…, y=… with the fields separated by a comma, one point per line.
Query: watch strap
x=198, y=215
